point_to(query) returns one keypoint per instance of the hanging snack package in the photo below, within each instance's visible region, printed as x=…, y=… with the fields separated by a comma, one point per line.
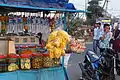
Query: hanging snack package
x=13, y=62
x=3, y=63
x=25, y=61
x=37, y=60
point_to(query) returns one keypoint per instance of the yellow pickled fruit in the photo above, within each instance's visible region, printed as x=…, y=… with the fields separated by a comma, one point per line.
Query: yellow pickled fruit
x=12, y=67
x=63, y=34
x=27, y=65
x=62, y=52
x=51, y=53
x=57, y=52
x=9, y=68
x=17, y=67
x=22, y=66
x=62, y=45
x=49, y=46
x=52, y=36
x=56, y=43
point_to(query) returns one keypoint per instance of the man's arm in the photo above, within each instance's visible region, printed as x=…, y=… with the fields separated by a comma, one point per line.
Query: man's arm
x=102, y=35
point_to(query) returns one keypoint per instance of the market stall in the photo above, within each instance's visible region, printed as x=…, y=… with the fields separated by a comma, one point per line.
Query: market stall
x=31, y=47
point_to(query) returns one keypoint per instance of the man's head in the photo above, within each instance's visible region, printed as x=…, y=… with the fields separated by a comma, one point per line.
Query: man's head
x=106, y=27
x=98, y=24
x=95, y=25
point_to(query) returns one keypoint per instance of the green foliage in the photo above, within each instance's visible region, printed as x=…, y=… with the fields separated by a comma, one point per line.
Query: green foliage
x=74, y=25
x=95, y=11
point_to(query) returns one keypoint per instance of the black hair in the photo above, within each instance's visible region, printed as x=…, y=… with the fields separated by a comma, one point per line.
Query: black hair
x=99, y=24
x=39, y=34
x=106, y=25
x=40, y=37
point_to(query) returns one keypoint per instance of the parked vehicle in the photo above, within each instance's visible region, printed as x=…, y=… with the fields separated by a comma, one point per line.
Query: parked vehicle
x=98, y=67
x=116, y=47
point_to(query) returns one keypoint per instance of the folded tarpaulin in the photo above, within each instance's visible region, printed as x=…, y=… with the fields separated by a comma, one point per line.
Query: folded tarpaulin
x=37, y=3
x=51, y=1
x=41, y=74
x=39, y=8
x=70, y=6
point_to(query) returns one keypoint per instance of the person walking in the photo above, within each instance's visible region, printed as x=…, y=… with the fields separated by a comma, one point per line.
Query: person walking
x=105, y=37
x=96, y=37
x=116, y=33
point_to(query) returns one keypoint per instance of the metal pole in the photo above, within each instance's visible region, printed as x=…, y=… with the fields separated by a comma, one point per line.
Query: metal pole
x=85, y=6
x=65, y=23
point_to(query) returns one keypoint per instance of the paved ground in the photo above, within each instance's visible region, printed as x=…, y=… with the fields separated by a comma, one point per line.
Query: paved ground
x=74, y=69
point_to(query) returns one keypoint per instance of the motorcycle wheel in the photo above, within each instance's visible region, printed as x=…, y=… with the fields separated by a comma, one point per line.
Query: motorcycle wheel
x=85, y=75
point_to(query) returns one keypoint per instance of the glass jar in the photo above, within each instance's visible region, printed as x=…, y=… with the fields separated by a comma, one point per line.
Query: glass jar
x=37, y=61
x=25, y=61
x=56, y=62
x=3, y=63
x=13, y=62
x=47, y=61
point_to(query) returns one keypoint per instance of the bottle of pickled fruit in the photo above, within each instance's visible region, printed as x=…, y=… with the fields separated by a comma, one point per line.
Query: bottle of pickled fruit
x=13, y=62
x=47, y=61
x=56, y=61
x=25, y=61
x=3, y=63
x=37, y=60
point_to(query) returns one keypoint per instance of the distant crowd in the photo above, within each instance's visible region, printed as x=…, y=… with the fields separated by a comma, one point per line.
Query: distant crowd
x=105, y=36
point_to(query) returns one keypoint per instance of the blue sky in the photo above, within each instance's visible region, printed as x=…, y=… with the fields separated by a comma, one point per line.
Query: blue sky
x=113, y=6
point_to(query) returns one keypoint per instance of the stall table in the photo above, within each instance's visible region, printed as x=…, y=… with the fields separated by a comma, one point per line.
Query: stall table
x=56, y=73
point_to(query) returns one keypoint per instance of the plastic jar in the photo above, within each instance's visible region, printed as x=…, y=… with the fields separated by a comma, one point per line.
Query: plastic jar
x=37, y=61
x=56, y=61
x=25, y=61
x=47, y=61
x=13, y=62
x=3, y=63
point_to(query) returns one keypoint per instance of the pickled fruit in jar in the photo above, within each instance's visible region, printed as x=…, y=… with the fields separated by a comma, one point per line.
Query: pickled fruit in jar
x=25, y=63
x=22, y=66
x=48, y=62
x=13, y=67
x=37, y=62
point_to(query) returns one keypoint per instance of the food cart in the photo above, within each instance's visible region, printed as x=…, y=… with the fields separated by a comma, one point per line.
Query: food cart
x=17, y=32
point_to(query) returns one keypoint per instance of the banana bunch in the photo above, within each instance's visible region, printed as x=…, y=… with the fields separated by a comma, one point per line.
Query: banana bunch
x=57, y=42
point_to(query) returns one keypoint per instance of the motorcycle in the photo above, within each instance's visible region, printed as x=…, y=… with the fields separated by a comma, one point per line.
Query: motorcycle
x=98, y=67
